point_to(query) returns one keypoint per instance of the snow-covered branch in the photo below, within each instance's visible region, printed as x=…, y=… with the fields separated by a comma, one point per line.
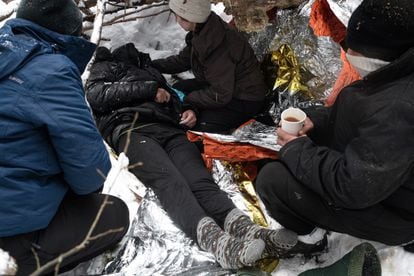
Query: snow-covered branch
x=7, y=264
x=7, y=8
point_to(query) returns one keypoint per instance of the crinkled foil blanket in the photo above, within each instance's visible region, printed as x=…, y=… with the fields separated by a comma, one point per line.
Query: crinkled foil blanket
x=154, y=245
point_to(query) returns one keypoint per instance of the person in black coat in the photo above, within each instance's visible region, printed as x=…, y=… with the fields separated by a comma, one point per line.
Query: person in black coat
x=354, y=173
x=228, y=87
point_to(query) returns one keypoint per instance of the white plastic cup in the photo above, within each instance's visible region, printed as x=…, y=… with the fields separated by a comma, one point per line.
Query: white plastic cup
x=292, y=120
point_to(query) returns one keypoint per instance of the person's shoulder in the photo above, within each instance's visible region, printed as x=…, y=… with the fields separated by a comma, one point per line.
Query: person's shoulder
x=52, y=64
x=49, y=69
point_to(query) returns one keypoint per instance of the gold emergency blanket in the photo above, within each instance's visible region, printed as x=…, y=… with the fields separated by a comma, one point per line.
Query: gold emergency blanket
x=289, y=73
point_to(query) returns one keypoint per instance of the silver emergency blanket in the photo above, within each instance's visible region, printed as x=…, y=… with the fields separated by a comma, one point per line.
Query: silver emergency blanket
x=319, y=57
x=154, y=245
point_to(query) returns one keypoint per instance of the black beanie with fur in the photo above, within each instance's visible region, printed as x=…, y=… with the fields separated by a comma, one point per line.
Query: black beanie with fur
x=61, y=16
x=382, y=29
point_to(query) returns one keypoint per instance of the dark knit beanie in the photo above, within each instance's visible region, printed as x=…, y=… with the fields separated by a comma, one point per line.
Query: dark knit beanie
x=61, y=16
x=382, y=29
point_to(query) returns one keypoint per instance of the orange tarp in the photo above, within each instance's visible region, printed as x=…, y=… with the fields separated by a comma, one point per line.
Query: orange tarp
x=230, y=151
x=347, y=75
x=325, y=23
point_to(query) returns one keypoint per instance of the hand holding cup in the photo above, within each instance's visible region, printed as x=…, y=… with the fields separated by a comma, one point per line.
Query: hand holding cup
x=292, y=120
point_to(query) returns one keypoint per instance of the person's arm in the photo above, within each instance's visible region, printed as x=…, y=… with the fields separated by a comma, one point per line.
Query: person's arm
x=319, y=117
x=372, y=166
x=220, y=75
x=108, y=90
x=174, y=64
x=76, y=141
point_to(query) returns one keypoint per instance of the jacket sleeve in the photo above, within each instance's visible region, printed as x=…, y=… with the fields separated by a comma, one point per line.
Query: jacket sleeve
x=109, y=88
x=174, y=64
x=78, y=145
x=373, y=165
x=320, y=117
x=219, y=73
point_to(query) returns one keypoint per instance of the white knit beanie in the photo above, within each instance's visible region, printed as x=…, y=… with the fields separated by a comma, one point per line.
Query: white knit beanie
x=196, y=11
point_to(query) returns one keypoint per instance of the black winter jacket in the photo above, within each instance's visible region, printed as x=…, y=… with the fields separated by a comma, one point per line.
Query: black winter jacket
x=122, y=84
x=221, y=57
x=367, y=157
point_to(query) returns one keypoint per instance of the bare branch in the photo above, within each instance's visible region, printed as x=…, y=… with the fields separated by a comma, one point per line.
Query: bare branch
x=110, y=231
x=101, y=174
x=36, y=257
x=121, y=18
x=96, y=34
x=138, y=17
x=133, y=166
x=57, y=267
x=128, y=141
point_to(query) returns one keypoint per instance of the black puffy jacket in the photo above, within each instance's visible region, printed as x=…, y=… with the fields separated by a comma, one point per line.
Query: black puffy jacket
x=123, y=84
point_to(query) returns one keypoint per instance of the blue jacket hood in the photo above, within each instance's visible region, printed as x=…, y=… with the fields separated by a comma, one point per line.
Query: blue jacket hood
x=21, y=40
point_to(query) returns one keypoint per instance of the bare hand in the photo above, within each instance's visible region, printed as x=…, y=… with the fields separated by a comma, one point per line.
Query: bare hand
x=283, y=137
x=162, y=96
x=188, y=118
x=308, y=126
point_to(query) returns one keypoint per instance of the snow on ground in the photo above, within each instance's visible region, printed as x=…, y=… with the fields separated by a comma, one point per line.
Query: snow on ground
x=7, y=264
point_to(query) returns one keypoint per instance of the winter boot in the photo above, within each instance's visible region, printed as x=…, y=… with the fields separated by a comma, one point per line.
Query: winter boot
x=229, y=252
x=361, y=261
x=280, y=243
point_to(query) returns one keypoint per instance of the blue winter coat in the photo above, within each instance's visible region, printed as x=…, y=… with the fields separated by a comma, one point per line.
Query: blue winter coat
x=48, y=140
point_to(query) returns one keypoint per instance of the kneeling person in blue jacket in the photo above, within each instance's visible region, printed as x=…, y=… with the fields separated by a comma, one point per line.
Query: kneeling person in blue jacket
x=52, y=152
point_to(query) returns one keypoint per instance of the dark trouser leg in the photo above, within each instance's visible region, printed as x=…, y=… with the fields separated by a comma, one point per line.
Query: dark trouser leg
x=225, y=119
x=300, y=209
x=160, y=174
x=274, y=186
x=188, y=161
x=67, y=229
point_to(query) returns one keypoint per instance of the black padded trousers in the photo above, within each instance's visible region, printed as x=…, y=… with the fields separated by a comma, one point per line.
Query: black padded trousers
x=173, y=168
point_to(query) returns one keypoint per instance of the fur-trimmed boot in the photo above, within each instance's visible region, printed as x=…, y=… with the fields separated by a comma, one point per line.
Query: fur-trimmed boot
x=229, y=252
x=280, y=243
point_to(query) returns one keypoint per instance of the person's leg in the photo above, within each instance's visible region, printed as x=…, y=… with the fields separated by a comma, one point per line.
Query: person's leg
x=270, y=181
x=160, y=174
x=187, y=159
x=68, y=229
x=228, y=118
x=298, y=208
